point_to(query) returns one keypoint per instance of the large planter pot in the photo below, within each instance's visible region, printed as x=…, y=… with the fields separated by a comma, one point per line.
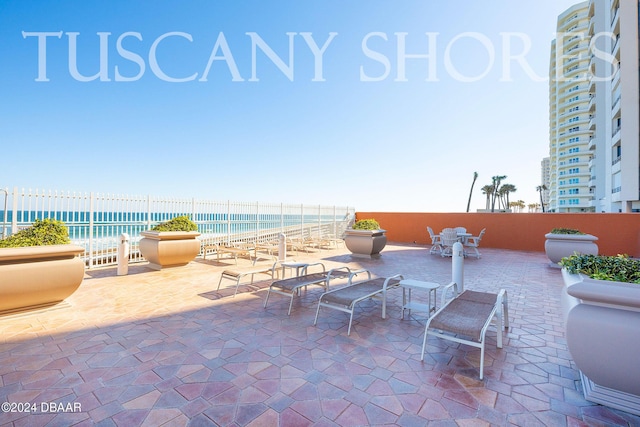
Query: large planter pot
x=558, y=246
x=602, y=321
x=38, y=276
x=365, y=243
x=169, y=248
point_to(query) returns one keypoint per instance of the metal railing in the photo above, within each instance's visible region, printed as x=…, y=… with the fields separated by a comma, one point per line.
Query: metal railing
x=95, y=221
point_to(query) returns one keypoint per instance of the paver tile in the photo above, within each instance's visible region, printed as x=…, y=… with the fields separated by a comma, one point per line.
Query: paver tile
x=164, y=348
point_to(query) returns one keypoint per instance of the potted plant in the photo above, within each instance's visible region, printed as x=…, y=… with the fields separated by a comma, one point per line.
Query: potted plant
x=564, y=242
x=601, y=309
x=39, y=267
x=365, y=239
x=170, y=244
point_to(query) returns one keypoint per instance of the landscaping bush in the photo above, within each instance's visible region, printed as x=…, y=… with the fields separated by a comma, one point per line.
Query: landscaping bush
x=618, y=268
x=566, y=231
x=366, y=224
x=179, y=223
x=42, y=232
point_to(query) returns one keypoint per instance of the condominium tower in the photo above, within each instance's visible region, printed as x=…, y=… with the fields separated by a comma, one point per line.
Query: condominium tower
x=594, y=105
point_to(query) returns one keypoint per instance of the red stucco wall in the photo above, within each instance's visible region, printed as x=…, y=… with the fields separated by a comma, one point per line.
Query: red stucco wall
x=617, y=232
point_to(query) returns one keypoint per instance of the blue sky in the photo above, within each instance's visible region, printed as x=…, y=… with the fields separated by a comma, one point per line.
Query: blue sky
x=326, y=111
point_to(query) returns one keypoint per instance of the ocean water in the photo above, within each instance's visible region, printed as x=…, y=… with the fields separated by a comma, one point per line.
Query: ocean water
x=108, y=226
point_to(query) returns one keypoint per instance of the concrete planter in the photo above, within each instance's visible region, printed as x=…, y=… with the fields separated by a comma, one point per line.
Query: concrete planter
x=169, y=248
x=365, y=243
x=602, y=322
x=38, y=276
x=558, y=246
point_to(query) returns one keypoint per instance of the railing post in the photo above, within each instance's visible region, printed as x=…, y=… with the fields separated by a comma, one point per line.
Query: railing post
x=14, y=211
x=4, y=215
x=148, y=211
x=193, y=209
x=91, y=213
x=319, y=221
x=281, y=217
x=228, y=222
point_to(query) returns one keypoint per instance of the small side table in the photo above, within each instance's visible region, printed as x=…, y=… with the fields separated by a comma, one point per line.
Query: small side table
x=407, y=304
x=292, y=265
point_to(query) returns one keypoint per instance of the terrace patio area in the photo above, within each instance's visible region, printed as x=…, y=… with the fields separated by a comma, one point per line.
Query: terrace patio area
x=164, y=348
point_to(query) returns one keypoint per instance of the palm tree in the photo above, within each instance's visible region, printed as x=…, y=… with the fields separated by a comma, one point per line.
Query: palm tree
x=517, y=206
x=504, y=192
x=488, y=190
x=540, y=189
x=475, y=176
x=496, y=180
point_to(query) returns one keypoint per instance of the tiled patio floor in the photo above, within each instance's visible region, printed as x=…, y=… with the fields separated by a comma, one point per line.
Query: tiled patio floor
x=164, y=348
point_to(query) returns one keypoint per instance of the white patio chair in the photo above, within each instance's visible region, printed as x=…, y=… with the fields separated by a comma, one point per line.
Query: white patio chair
x=435, y=241
x=448, y=237
x=473, y=242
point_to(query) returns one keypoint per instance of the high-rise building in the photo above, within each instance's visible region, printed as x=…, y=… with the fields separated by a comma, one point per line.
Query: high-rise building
x=545, y=179
x=594, y=121
x=568, y=111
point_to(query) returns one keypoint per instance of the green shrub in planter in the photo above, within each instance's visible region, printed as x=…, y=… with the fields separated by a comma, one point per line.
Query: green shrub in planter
x=179, y=223
x=566, y=231
x=618, y=268
x=366, y=224
x=42, y=232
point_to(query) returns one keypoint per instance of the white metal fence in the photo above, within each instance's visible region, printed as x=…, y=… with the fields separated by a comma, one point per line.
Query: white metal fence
x=96, y=221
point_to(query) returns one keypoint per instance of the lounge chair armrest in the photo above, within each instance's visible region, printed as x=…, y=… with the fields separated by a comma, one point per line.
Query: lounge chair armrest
x=273, y=258
x=343, y=268
x=354, y=273
x=445, y=290
x=306, y=267
x=389, y=279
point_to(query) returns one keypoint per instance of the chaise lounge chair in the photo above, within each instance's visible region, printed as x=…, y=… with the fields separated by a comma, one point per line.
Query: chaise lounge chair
x=465, y=318
x=346, y=298
x=240, y=249
x=291, y=286
x=239, y=274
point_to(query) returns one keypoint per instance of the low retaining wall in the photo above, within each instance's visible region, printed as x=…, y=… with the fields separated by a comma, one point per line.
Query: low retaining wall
x=618, y=233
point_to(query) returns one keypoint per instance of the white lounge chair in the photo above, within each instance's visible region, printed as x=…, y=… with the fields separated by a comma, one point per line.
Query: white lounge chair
x=239, y=274
x=291, y=286
x=465, y=318
x=346, y=298
x=235, y=250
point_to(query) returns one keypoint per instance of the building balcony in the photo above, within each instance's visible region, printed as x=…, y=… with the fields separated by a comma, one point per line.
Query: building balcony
x=616, y=135
x=615, y=80
x=615, y=18
x=592, y=104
